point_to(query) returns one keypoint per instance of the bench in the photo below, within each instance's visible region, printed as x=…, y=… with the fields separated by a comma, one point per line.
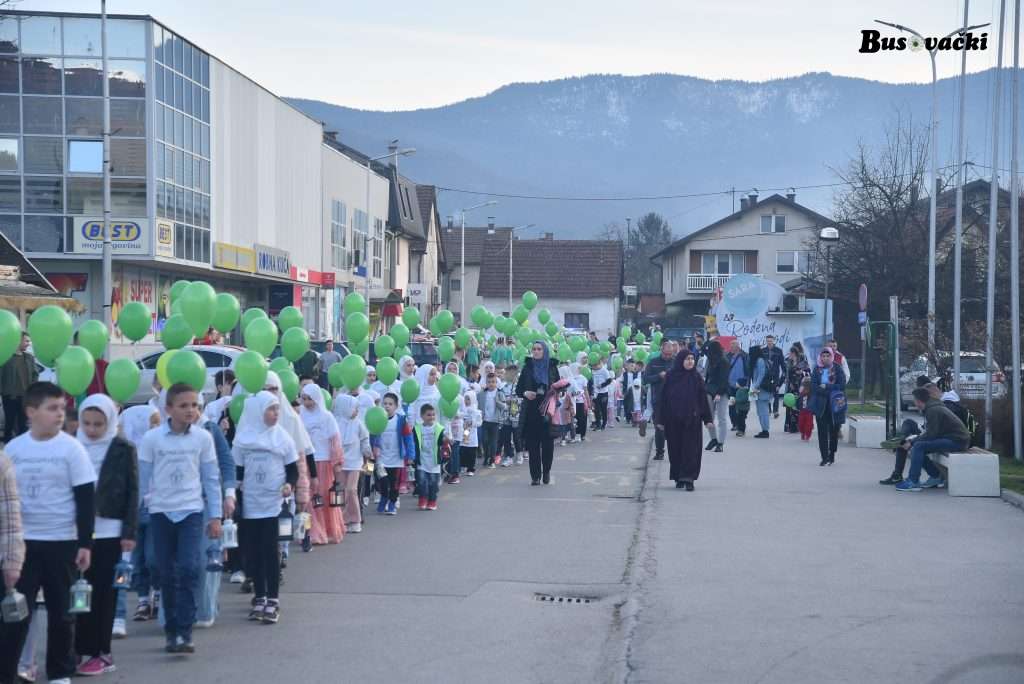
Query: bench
x=865, y=432
x=974, y=472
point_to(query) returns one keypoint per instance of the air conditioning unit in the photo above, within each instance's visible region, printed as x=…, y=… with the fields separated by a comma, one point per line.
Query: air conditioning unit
x=794, y=302
x=435, y=294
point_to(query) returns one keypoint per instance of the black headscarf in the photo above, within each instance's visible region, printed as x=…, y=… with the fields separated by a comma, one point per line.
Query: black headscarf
x=684, y=388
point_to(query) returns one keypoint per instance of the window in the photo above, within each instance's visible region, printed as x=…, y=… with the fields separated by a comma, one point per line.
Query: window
x=83, y=77
x=722, y=263
x=792, y=261
x=360, y=238
x=44, y=155
x=339, y=235
x=10, y=226
x=85, y=156
x=10, y=193
x=40, y=75
x=128, y=198
x=125, y=37
x=85, y=116
x=149, y=362
x=455, y=285
x=43, y=195
x=82, y=36
x=9, y=35
x=127, y=117
x=214, y=359
x=40, y=35
x=10, y=114
x=85, y=196
x=577, y=320
x=44, y=233
x=378, y=248
x=8, y=73
x=127, y=78
x=9, y=154
x=44, y=115
x=774, y=223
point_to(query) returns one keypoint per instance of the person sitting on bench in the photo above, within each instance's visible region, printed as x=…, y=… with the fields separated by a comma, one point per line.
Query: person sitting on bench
x=943, y=433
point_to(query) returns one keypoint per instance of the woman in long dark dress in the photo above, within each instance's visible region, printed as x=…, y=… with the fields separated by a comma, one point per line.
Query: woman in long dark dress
x=683, y=409
x=539, y=373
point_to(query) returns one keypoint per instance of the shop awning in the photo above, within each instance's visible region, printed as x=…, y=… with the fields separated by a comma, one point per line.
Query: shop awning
x=23, y=287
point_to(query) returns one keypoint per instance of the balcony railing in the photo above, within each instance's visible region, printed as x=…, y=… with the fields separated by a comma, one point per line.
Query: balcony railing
x=709, y=282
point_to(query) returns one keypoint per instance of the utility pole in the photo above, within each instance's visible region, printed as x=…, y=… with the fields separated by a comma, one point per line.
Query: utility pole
x=1015, y=384
x=107, y=277
x=958, y=237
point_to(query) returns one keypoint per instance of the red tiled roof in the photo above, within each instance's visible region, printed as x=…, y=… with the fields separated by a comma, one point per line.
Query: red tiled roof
x=577, y=269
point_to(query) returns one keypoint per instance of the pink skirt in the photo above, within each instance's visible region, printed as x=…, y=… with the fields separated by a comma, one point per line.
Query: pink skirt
x=328, y=525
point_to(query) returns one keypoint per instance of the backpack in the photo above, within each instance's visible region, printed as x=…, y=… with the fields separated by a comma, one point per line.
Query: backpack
x=969, y=420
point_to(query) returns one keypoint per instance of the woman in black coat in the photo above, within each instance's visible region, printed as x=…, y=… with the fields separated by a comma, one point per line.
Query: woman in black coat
x=684, y=407
x=539, y=373
x=717, y=387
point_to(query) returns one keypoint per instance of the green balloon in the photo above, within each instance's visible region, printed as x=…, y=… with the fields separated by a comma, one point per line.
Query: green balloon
x=387, y=369
x=93, y=336
x=294, y=343
x=551, y=328
x=281, y=364
x=462, y=338
x=449, y=408
x=198, y=304
x=251, y=315
x=564, y=353
x=789, y=399
x=640, y=338
x=641, y=355
x=328, y=401
x=290, y=317
x=404, y=351
x=594, y=358
x=606, y=347
x=334, y=376
x=488, y=320
x=122, y=379
x=134, y=321
x=361, y=348
x=178, y=288
x=520, y=314
x=236, y=405
x=376, y=420
x=479, y=316
x=449, y=386
x=577, y=343
x=525, y=335
x=187, y=366
x=49, y=328
x=411, y=317
x=657, y=337
x=261, y=336
x=529, y=300
x=75, y=368
x=617, y=363
x=225, y=313
x=10, y=335
x=435, y=327
x=543, y=316
x=446, y=320
x=251, y=370
x=446, y=349
x=176, y=307
x=384, y=346
x=176, y=332
x=400, y=334
x=357, y=326
x=586, y=372
x=289, y=384
x=620, y=345
x=354, y=303
x=353, y=371
x=625, y=332
x=410, y=390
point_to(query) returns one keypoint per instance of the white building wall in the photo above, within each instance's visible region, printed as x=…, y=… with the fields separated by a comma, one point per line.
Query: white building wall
x=603, y=312
x=266, y=181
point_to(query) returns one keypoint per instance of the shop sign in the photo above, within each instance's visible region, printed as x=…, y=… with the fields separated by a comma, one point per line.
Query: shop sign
x=234, y=258
x=272, y=261
x=327, y=279
x=164, y=239
x=417, y=293
x=302, y=274
x=127, y=236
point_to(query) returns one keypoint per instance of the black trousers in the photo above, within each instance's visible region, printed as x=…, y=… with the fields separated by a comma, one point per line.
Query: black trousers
x=828, y=436
x=741, y=419
x=467, y=458
x=14, y=418
x=541, y=446
x=489, y=438
x=264, y=557
x=388, y=485
x=92, y=629
x=49, y=565
x=581, y=420
x=506, y=442
x=601, y=411
x=901, y=461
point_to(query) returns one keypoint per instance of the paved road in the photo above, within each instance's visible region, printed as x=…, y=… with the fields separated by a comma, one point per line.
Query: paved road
x=774, y=570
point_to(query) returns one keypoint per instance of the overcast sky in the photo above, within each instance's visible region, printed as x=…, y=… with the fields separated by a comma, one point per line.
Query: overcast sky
x=399, y=54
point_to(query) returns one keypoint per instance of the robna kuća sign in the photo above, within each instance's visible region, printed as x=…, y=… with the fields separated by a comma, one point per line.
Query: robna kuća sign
x=273, y=261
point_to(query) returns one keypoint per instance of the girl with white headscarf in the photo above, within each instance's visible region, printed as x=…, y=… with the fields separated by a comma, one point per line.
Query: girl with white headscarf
x=426, y=378
x=324, y=433
x=472, y=419
x=136, y=421
x=117, y=514
x=406, y=368
x=266, y=458
x=291, y=423
x=355, y=447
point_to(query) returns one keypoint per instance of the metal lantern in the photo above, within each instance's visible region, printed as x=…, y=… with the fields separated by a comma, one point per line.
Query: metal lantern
x=81, y=597
x=123, y=572
x=14, y=607
x=285, y=523
x=336, y=495
x=229, y=534
x=318, y=501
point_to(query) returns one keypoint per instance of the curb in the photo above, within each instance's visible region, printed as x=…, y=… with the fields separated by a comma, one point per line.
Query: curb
x=1013, y=498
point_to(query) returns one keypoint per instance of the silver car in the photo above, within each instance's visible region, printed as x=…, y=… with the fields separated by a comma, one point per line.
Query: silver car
x=216, y=358
x=972, y=376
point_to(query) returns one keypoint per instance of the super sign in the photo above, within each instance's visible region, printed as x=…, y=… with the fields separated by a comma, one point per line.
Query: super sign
x=120, y=231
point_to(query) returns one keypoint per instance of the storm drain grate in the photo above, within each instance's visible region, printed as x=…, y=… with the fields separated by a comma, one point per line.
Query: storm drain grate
x=565, y=600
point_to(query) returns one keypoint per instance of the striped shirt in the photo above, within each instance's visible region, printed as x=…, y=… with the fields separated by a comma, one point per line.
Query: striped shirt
x=12, y=546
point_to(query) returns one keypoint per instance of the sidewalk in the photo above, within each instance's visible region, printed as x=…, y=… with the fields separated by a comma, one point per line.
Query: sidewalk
x=778, y=570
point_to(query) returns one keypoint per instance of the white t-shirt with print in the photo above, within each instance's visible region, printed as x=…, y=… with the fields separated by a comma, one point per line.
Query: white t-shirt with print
x=389, y=451
x=264, y=478
x=430, y=460
x=321, y=440
x=176, y=485
x=47, y=471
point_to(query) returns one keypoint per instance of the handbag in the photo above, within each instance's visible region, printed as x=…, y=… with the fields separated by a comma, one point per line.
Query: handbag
x=837, y=402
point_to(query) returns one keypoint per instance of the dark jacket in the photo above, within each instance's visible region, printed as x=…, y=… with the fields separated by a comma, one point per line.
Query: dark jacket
x=821, y=396
x=941, y=423
x=530, y=410
x=717, y=381
x=776, y=364
x=17, y=374
x=652, y=378
x=117, y=488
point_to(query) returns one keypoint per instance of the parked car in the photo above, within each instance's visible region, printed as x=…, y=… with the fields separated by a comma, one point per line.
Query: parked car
x=973, y=376
x=216, y=358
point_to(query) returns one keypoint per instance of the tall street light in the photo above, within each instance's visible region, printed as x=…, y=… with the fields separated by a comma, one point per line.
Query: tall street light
x=933, y=153
x=462, y=260
x=510, y=234
x=829, y=235
x=396, y=153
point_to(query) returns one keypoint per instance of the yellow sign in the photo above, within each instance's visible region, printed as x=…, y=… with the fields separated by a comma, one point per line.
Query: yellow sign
x=234, y=258
x=165, y=239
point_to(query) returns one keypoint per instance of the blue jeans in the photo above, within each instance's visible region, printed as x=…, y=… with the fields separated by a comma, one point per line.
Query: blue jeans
x=428, y=483
x=178, y=548
x=764, y=404
x=144, y=559
x=919, y=456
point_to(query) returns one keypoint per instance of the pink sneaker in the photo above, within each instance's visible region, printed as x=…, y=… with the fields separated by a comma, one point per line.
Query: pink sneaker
x=92, y=667
x=431, y=505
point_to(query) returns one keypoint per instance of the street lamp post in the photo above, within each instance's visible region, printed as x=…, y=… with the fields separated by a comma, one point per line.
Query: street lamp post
x=510, y=234
x=396, y=153
x=462, y=260
x=933, y=153
x=829, y=235
x=108, y=257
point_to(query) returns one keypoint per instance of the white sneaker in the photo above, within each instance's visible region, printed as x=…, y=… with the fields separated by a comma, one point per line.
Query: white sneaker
x=237, y=577
x=519, y=459
x=203, y=624
x=62, y=680
x=577, y=440
x=120, y=630
x=506, y=463
x=398, y=503
x=355, y=528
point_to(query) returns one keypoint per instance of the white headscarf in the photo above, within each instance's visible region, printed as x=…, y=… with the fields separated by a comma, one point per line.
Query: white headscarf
x=318, y=415
x=564, y=373
x=486, y=368
x=135, y=422
x=402, y=375
x=253, y=433
x=344, y=405
x=289, y=420
x=98, y=448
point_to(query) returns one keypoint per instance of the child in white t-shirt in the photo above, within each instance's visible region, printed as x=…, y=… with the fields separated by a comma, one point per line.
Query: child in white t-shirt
x=472, y=418
x=55, y=481
x=431, y=444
